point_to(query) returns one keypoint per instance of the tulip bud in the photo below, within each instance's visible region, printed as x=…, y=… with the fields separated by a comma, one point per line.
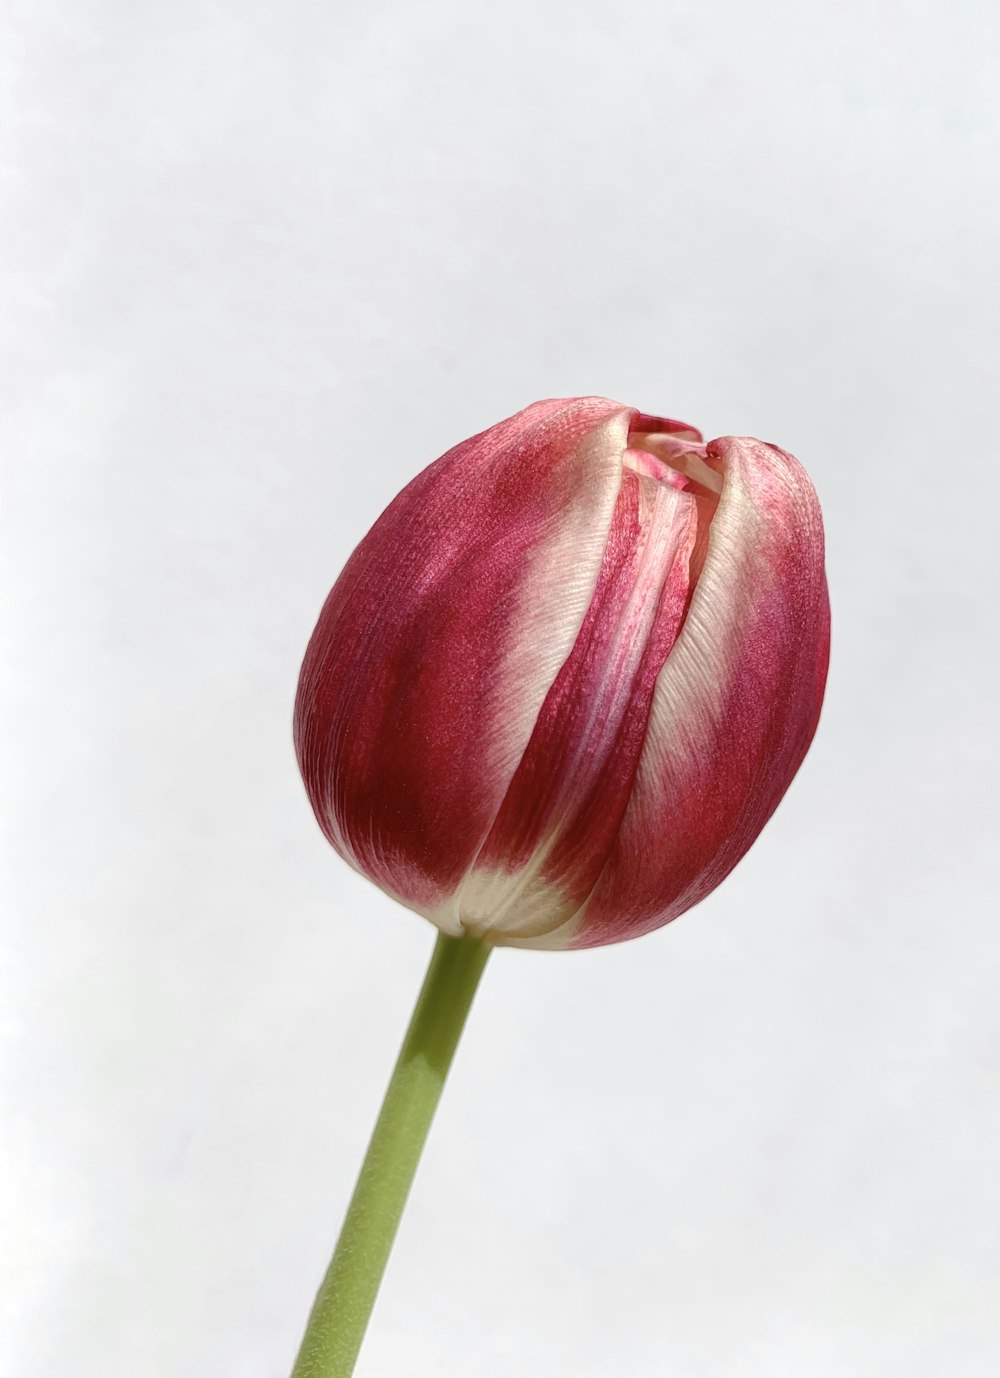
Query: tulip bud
x=565, y=679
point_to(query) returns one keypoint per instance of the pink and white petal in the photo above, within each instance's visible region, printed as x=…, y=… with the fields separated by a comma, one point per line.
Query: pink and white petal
x=560, y=815
x=437, y=646
x=736, y=704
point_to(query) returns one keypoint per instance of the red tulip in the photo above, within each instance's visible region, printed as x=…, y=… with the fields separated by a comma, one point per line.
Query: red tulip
x=564, y=681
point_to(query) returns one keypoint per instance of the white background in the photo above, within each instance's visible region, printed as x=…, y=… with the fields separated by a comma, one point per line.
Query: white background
x=261, y=263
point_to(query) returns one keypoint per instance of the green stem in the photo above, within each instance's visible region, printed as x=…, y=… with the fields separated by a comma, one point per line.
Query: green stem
x=339, y=1317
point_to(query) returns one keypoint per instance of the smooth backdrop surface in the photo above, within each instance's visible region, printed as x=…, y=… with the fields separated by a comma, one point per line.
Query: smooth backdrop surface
x=261, y=263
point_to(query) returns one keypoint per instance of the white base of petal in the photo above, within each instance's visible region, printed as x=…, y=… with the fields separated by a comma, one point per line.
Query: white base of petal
x=518, y=910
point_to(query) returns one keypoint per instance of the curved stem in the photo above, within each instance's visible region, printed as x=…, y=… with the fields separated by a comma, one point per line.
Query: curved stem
x=339, y=1316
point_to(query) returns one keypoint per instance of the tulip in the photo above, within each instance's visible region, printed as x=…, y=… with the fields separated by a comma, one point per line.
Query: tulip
x=566, y=678
x=556, y=693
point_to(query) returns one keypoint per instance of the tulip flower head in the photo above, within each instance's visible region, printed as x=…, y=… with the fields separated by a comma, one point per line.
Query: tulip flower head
x=566, y=678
